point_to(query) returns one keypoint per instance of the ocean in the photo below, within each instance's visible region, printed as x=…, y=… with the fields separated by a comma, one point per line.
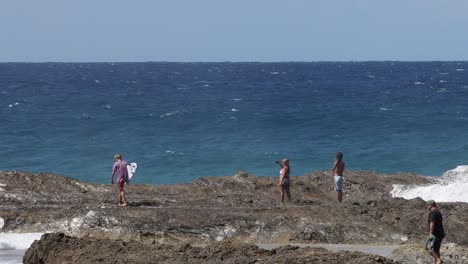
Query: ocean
x=180, y=121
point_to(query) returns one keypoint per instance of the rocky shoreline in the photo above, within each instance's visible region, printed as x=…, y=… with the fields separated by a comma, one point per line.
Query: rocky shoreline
x=223, y=219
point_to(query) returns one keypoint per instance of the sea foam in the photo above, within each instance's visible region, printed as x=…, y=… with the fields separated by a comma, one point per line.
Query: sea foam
x=451, y=187
x=10, y=241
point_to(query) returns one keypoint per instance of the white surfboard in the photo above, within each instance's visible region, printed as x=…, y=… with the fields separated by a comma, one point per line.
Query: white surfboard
x=131, y=169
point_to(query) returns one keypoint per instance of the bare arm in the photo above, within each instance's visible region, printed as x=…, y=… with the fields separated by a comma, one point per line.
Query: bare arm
x=334, y=166
x=112, y=177
x=279, y=163
x=431, y=227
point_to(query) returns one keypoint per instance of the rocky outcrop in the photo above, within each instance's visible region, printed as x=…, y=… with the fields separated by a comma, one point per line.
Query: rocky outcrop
x=62, y=249
x=241, y=208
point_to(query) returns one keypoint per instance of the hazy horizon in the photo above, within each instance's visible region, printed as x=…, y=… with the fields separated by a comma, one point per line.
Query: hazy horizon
x=240, y=31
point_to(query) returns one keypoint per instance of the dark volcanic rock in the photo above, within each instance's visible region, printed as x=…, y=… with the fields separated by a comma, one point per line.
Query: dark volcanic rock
x=242, y=208
x=61, y=249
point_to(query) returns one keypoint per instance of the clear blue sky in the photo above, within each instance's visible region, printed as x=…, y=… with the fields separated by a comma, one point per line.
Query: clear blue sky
x=234, y=30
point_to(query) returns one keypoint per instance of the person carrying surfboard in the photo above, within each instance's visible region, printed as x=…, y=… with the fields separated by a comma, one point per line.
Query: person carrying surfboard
x=120, y=167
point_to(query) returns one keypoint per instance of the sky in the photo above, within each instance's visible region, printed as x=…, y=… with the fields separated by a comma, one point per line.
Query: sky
x=235, y=30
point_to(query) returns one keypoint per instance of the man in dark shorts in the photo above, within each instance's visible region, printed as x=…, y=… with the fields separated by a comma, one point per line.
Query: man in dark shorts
x=436, y=231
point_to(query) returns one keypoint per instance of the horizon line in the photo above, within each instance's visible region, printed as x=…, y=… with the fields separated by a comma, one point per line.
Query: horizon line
x=228, y=61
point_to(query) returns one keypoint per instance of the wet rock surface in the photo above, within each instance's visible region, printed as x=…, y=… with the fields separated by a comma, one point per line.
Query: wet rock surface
x=241, y=209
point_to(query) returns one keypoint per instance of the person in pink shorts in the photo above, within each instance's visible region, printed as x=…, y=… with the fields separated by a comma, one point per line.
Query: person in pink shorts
x=120, y=167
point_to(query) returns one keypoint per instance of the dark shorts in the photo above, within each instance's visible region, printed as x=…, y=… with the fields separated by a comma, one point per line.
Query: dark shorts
x=437, y=244
x=121, y=185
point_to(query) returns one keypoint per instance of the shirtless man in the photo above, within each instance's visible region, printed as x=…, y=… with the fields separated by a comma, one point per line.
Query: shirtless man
x=338, y=168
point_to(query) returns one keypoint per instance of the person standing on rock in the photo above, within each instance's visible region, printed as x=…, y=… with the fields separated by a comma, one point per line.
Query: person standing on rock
x=338, y=168
x=120, y=167
x=436, y=231
x=284, y=181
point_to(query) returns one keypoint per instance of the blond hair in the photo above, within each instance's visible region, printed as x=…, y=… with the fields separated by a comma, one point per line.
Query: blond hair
x=118, y=156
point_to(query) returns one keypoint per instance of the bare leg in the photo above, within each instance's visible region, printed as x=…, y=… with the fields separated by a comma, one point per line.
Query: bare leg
x=340, y=196
x=123, y=202
x=288, y=194
x=120, y=196
x=436, y=256
x=282, y=195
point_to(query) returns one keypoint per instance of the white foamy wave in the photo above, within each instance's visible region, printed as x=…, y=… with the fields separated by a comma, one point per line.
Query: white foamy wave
x=234, y=110
x=10, y=241
x=14, y=104
x=451, y=187
x=181, y=112
x=172, y=152
x=442, y=90
x=460, y=70
x=384, y=109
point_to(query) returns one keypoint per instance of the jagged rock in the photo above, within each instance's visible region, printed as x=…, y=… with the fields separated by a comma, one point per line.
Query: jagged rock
x=239, y=208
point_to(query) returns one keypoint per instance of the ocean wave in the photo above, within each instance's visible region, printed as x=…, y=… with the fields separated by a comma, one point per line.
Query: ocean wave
x=177, y=112
x=14, y=104
x=85, y=116
x=460, y=70
x=234, y=110
x=10, y=241
x=172, y=152
x=385, y=109
x=442, y=90
x=451, y=187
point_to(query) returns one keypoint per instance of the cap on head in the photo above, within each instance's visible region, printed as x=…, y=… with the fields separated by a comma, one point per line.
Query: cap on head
x=431, y=203
x=118, y=156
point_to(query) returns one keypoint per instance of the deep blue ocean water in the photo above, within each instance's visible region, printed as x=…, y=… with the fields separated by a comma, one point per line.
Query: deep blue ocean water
x=180, y=121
